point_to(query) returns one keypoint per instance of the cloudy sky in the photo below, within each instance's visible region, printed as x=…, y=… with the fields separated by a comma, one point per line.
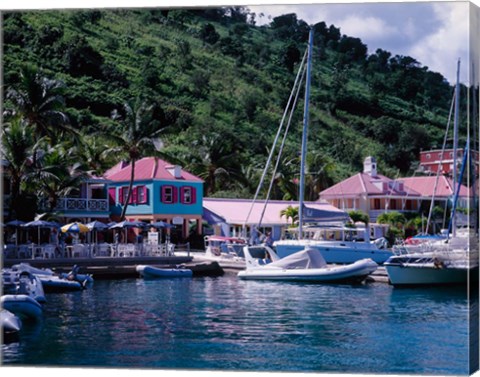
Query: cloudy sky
x=434, y=33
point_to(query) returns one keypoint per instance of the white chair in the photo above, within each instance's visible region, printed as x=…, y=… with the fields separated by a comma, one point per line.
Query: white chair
x=48, y=252
x=36, y=251
x=78, y=251
x=126, y=250
x=102, y=250
x=130, y=250
x=170, y=248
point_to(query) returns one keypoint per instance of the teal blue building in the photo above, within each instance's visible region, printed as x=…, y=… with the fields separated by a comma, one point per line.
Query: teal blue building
x=161, y=192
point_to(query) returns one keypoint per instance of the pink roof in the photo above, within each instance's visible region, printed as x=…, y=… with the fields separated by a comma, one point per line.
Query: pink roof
x=363, y=183
x=148, y=168
x=426, y=185
x=235, y=211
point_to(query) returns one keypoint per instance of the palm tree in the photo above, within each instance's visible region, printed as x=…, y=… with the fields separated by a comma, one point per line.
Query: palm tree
x=136, y=136
x=319, y=176
x=17, y=145
x=39, y=102
x=93, y=151
x=214, y=160
x=57, y=173
x=359, y=216
x=396, y=222
x=290, y=213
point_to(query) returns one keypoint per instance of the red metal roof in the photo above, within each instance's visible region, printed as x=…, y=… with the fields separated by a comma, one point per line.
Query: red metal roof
x=426, y=185
x=148, y=168
x=363, y=183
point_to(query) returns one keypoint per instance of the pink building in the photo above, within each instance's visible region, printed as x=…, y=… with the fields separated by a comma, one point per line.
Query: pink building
x=372, y=193
x=375, y=194
x=229, y=216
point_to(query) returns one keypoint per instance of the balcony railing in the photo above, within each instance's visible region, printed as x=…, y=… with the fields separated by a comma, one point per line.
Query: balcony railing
x=81, y=204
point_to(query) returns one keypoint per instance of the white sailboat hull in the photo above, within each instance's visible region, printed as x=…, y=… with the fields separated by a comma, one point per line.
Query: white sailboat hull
x=426, y=275
x=335, y=252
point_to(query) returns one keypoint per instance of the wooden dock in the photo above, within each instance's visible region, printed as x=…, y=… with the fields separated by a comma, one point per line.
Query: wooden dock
x=379, y=276
x=118, y=268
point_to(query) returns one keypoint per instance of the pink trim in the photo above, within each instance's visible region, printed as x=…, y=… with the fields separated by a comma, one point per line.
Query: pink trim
x=193, y=195
x=134, y=196
x=111, y=195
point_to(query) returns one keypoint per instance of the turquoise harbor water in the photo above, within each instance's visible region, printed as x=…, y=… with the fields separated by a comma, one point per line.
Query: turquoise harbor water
x=227, y=324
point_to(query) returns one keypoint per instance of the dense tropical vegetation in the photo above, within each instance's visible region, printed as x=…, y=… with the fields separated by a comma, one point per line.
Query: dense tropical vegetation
x=204, y=88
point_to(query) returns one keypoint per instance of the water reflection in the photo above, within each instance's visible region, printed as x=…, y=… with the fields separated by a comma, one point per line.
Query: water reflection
x=223, y=323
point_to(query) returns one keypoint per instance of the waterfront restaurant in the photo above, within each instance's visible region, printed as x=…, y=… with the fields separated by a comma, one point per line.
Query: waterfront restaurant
x=161, y=192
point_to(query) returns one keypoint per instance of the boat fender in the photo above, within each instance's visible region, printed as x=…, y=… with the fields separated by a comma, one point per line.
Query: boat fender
x=438, y=263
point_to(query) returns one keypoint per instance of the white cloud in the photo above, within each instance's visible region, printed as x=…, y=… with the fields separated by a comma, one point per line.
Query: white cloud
x=366, y=28
x=434, y=33
x=441, y=49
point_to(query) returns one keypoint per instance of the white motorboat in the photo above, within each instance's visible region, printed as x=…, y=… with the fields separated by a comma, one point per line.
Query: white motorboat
x=151, y=272
x=308, y=265
x=226, y=251
x=10, y=323
x=337, y=251
x=226, y=247
x=337, y=244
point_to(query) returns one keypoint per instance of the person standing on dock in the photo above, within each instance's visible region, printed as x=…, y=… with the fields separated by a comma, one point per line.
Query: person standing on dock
x=269, y=240
x=116, y=240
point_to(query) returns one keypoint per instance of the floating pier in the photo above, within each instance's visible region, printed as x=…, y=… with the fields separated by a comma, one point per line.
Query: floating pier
x=119, y=268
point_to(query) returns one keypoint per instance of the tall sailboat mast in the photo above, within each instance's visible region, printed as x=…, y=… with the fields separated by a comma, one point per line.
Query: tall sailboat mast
x=455, y=138
x=304, y=136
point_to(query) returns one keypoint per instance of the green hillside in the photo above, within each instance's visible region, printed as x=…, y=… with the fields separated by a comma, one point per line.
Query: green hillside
x=219, y=85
